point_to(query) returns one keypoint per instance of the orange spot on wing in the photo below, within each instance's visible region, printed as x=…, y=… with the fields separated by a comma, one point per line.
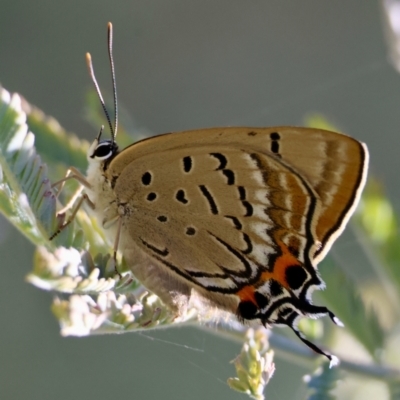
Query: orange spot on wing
x=247, y=294
x=278, y=273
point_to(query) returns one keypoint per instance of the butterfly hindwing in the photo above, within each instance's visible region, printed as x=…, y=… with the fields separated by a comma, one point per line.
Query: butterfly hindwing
x=230, y=221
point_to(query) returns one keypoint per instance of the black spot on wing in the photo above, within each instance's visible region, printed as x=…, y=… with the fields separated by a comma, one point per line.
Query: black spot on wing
x=295, y=276
x=261, y=300
x=235, y=221
x=187, y=164
x=210, y=199
x=242, y=192
x=180, y=196
x=190, y=231
x=160, y=252
x=162, y=218
x=247, y=310
x=151, y=196
x=275, y=288
x=222, y=160
x=275, y=137
x=249, y=244
x=230, y=175
x=146, y=178
x=245, y=203
x=275, y=147
x=249, y=208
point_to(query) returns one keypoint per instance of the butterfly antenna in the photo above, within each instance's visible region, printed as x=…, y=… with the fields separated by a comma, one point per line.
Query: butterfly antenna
x=114, y=85
x=96, y=85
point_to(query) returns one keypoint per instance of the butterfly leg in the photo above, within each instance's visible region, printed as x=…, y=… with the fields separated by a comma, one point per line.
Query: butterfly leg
x=72, y=173
x=72, y=216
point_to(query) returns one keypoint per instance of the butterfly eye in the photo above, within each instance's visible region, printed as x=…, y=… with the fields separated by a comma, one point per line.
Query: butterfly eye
x=104, y=150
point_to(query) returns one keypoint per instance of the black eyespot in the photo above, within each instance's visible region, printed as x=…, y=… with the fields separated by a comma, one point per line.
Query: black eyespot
x=295, y=276
x=146, y=178
x=247, y=310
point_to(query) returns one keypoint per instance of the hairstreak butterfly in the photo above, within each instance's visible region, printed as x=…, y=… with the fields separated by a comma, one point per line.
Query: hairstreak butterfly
x=239, y=216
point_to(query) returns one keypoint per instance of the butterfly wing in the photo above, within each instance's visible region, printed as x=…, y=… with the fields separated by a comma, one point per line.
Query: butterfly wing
x=241, y=215
x=334, y=165
x=232, y=221
x=217, y=219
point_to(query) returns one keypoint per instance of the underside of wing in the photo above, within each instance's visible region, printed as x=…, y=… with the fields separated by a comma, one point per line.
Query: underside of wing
x=243, y=215
x=334, y=165
x=224, y=219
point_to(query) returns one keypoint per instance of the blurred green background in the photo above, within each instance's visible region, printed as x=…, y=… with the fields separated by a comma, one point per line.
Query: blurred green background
x=182, y=65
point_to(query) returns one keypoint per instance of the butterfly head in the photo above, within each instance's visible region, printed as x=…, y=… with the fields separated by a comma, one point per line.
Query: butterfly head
x=102, y=150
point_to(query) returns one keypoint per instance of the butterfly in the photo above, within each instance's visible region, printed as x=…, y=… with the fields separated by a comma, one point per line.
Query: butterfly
x=238, y=216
